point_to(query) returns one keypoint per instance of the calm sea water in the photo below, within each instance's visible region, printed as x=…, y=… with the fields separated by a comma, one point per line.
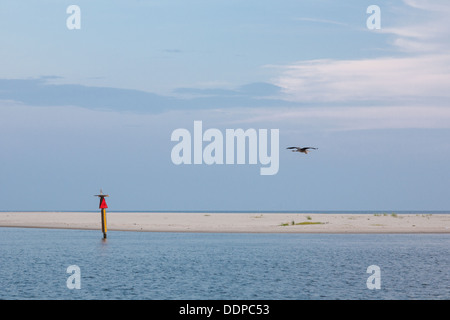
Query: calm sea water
x=146, y=265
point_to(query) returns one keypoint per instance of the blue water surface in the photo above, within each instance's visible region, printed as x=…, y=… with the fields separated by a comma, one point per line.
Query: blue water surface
x=153, y=265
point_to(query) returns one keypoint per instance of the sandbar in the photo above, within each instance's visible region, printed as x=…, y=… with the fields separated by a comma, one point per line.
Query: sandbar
x=232, y=222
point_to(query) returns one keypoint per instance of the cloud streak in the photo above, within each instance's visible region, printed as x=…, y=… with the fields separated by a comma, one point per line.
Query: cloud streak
x=38, y=92
x=422, y=75
x=325, y=118
x=428, y=32
x=385, y=79
x=325, y=21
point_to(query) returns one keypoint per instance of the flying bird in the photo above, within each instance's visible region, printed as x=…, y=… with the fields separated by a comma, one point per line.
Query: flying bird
x=302, y=150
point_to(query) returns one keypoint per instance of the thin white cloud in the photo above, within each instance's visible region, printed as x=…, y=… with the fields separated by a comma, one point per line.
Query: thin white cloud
x=423, y=74
x=325, y=118
x=424, y=28
x=367, y=79
x=435, y=5
x=326, y=21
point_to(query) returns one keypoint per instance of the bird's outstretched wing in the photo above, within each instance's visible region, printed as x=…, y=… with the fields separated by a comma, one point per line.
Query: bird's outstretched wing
x=293, y=148
x=306, y=148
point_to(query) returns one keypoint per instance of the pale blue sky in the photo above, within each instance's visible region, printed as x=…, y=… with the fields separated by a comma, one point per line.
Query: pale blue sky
x=157, y=46
x=95, y=108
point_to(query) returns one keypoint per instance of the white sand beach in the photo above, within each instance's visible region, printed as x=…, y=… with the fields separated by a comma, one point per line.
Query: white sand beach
x=233, y=222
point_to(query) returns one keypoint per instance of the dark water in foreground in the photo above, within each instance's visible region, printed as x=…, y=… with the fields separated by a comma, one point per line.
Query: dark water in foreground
x=135, y=265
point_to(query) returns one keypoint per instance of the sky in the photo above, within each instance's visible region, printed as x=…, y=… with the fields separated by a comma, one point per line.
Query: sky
x=95, y=106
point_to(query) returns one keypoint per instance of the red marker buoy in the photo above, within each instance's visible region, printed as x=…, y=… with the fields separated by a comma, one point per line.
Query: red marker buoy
x=103, y=206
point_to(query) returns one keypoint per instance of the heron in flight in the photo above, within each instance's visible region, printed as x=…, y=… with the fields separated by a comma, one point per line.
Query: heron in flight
x=302, y=150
